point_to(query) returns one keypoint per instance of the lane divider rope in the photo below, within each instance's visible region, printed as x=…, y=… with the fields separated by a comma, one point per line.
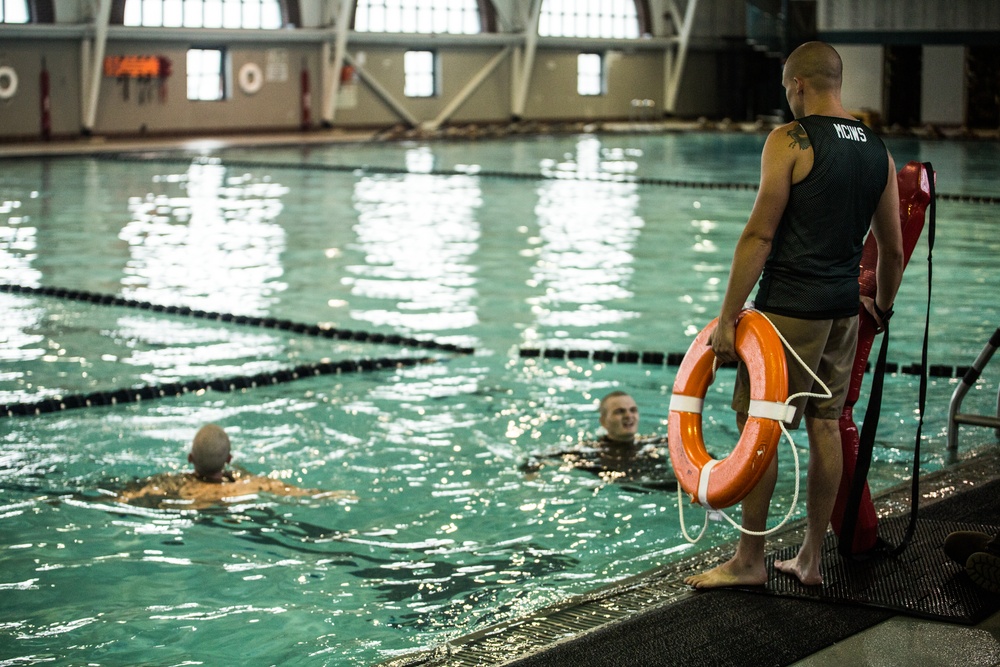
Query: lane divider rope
x=485, y=173
x=235, y=383
x=248, y=320
x=227, y=384
x=605, y=356
x=675, y=359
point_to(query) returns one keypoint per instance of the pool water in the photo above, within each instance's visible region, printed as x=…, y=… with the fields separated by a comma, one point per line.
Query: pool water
x=577, y=243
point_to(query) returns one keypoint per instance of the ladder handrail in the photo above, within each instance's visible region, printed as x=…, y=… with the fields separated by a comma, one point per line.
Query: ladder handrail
x=954, y=416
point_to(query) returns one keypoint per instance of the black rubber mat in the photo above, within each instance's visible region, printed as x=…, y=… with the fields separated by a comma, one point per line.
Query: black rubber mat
x=921, y=581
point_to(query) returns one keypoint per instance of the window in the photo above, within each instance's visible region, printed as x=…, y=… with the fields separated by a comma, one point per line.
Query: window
x=420, y=74
x=205, y=76
x=590, y=74
x=459, y=17
x=248, y=14
x=14, y=11
x=589, y=18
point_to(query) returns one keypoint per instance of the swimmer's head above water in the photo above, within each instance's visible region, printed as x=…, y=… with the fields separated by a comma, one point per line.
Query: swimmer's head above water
x=210, y=452
x=619, y=415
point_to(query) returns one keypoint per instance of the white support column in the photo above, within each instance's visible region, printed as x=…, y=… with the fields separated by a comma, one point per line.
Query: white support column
x=523, y=81
x=96, y=63
x=469, y=88
x=676, y=55
x=332, y=80
x=325, y=83
x=516, y=63
x=86, y=44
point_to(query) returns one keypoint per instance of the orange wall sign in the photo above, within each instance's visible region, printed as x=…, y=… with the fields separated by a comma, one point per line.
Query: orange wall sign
x=136, y=67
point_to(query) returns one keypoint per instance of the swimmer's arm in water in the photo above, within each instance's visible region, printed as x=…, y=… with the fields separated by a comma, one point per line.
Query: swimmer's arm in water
x=128, y=496
x=189, y=488
x=249, y=485
x=279, y=488
x=570, y=457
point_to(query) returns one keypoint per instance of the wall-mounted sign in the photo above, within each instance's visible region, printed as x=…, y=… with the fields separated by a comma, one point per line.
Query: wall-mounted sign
x=137, y=67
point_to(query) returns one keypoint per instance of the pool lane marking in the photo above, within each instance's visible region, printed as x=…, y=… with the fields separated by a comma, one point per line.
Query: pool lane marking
x=249, y=320
x=675, y=358
x=235, y=383
x=240, y=382
x=553, y=175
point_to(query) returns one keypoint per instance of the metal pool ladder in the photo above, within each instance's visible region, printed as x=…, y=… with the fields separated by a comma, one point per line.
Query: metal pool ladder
x=955, y=418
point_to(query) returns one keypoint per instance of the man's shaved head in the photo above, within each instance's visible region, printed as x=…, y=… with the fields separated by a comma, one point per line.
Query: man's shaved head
x=818, y=63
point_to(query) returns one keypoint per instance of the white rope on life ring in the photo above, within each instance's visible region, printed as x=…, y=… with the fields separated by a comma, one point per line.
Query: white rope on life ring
x=8, y=82
x=251, y=78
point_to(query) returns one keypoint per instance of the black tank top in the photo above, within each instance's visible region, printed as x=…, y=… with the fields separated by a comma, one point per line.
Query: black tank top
x=812, y=271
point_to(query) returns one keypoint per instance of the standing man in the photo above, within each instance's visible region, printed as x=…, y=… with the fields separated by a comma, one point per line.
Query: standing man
x=825, y=179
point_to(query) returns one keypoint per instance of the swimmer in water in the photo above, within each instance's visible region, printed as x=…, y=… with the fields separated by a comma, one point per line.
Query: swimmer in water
x=620, y=454
x=211, y=482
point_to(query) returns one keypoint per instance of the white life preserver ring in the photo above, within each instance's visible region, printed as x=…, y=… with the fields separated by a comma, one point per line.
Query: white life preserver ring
x=8, y=82
x=251, y=78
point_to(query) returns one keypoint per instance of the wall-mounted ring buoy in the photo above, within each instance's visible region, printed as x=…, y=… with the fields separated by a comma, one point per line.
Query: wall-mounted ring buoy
x=8, y=82
x=720, y=483
x=251, y=78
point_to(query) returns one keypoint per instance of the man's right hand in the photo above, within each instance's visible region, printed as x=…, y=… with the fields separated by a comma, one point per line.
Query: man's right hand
x=723, y=342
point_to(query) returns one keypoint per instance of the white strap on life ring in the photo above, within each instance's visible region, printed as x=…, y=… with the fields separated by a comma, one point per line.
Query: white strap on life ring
x=251, y=78
x=8, y=82
x=706, y=472
x=682, y=403
x=781, y=412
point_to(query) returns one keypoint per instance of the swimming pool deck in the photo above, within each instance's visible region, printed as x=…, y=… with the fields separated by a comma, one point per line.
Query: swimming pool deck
x=900, y=640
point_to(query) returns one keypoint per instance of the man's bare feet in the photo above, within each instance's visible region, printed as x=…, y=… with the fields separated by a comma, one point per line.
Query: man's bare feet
x=808, y=575
x=730, y=573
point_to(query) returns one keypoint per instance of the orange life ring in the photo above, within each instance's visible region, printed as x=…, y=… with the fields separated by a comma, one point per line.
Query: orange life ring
x=720, y=483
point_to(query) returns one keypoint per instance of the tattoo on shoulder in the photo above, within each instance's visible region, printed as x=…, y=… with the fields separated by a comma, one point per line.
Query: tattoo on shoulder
x=799, y=138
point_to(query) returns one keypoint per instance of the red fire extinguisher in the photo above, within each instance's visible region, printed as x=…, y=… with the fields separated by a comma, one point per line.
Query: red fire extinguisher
x=166, y=68
x=43, y=86
x=306, y=113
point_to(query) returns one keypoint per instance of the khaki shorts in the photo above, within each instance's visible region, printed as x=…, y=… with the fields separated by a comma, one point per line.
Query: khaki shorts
x=828, y=348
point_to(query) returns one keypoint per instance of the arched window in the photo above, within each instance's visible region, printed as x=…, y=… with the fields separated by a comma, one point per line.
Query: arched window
x=589, y=18
x=233, y=14
x=456, y=17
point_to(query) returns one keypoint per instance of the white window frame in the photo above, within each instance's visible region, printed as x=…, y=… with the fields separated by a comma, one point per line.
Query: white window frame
x=453, y=17
x=203, y=76
x=617, y=19
x=230, y=14
x=420, y=69
x=590, y=75
x=14, y=11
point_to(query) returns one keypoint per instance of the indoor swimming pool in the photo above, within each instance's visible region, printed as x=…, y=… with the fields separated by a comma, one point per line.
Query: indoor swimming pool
x=454, y=258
